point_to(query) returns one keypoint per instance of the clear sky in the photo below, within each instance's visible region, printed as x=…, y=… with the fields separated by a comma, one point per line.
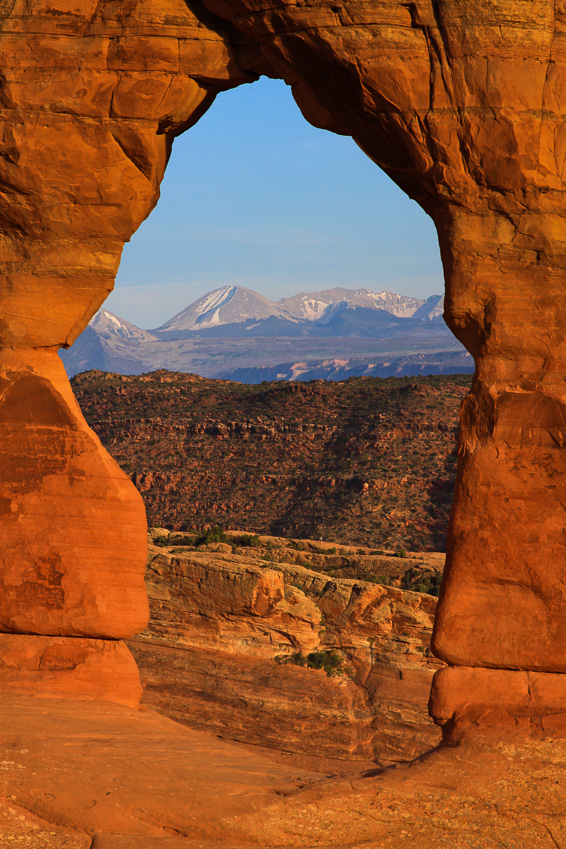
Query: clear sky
x=255, y=196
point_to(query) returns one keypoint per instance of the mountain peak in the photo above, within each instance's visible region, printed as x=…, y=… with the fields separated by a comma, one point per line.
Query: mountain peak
x=108, y=325
x=226, y=305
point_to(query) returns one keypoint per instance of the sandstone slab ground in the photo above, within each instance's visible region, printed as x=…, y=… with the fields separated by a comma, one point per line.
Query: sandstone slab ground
x=100, y=776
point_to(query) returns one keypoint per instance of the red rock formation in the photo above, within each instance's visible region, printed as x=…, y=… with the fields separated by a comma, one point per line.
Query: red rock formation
x=462, y=104
x=461, y=101
x=224, y=626
x=518, y=701
x=60, y=667
x=67, y=567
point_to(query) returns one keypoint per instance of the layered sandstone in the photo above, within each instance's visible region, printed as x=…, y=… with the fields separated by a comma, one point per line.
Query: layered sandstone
x=229, y=626
x=67, y=667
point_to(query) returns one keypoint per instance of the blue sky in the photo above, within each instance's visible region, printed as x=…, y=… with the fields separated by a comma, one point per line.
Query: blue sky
x=255, y=196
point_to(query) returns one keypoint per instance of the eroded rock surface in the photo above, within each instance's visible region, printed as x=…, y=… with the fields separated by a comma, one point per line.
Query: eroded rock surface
x=69, y=667
x=135, y=780
x=66, y=568
x=228, y=629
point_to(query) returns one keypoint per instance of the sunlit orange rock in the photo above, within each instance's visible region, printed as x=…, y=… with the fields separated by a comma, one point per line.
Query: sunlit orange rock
x=68, y=566
x=467, y=701
x=462, y=103
x=68, y=667
x=91, y=97
x=226, y=627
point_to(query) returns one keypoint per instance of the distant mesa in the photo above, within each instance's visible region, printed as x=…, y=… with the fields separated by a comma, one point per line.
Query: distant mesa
x=235, y=333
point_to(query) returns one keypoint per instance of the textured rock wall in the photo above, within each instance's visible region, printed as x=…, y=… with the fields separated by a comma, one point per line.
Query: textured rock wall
x=224, y=625
x=461, y=101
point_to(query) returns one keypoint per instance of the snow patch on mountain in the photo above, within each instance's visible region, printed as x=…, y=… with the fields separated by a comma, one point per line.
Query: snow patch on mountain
x=433, y=307
x=109, y=326
x=227, y=305
x=214, y=300
x=312, y=306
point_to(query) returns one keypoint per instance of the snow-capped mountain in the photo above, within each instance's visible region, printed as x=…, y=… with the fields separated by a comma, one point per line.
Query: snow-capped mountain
x=313, y=305
x=108, y=326
x=236, y=331
x=228, y=305
x=433, y=307
x=244, y=309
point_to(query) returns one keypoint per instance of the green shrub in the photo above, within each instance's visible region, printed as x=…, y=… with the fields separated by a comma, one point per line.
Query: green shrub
x=380, y=579
x=401, y=552
x=329, y=660
x=177, y=541
x=215, y=534
x=251, y=540
x=419, y=583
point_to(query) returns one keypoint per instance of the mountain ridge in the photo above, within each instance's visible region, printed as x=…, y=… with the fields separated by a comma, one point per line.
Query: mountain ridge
x=232, y=331
x=364, y=461
x=238, y=304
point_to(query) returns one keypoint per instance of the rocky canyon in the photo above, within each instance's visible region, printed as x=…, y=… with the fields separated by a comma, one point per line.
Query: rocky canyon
x=462, y=103
x=266, y=644
x=364, y=461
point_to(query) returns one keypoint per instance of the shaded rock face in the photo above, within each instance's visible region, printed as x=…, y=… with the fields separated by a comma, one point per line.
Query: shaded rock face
x=228, y=628
x=460, y=101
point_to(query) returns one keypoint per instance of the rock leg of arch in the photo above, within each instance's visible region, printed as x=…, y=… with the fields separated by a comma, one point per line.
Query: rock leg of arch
x=91, y=95
x=462, y=103
x=501, y=620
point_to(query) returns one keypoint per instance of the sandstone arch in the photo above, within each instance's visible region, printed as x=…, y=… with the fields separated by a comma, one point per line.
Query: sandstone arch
x=462, y=103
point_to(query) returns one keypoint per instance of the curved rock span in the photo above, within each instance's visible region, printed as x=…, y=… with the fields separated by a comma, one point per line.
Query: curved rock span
x=462, y=103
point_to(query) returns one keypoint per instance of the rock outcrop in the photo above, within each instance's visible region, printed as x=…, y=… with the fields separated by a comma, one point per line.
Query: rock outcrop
x=68, y=667
x=68, y=573
x=226, y=652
